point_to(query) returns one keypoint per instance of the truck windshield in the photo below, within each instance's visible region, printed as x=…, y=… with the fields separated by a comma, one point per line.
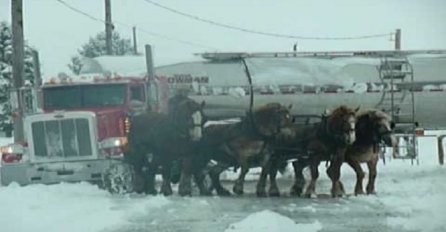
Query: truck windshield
x=84, y=96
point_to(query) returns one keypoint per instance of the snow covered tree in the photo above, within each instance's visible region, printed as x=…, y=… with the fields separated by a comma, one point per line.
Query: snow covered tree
x=6, y=81
x=76, y=65
x=96, y=46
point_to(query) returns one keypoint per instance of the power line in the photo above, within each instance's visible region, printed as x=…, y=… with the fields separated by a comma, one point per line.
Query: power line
x=165, y=36
x=129, y=26
x=80, y=12
x=194, y=17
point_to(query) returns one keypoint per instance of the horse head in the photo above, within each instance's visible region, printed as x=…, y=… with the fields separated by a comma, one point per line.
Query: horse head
x=341, y=124
x=376, y=126
x=271, y=119
x=187, y=116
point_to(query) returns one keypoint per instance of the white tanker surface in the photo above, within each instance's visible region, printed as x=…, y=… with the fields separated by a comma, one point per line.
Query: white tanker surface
x=310, y=84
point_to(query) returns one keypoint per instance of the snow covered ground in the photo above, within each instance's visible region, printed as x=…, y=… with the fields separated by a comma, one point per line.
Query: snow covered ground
x=410, y=198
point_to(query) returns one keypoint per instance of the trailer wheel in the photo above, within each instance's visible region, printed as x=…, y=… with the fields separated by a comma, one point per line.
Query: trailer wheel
x=118, y=179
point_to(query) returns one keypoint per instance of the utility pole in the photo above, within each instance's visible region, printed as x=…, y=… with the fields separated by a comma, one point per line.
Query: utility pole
x=135, y=47
x=17, y=66
x=295, y=49
x=149, y=63
x=36, y=65
x=398, y=39
x=108, y=28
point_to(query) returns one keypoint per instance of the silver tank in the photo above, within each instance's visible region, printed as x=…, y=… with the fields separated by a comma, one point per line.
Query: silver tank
x=312, y=84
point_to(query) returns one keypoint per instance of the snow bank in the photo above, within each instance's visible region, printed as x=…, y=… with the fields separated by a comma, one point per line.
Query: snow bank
x=68, y=207
x=417, y=199
x=268, y=221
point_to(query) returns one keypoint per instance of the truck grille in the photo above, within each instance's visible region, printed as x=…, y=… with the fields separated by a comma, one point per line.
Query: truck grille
x=64, y=138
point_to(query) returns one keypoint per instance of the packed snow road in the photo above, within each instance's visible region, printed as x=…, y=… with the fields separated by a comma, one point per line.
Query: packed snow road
x=408, y=200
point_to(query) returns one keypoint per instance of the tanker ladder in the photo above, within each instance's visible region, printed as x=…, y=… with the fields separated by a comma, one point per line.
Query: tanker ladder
x=397, y=76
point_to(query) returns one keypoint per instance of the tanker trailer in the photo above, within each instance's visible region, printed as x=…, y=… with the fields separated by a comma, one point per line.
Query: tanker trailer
x=409, y=85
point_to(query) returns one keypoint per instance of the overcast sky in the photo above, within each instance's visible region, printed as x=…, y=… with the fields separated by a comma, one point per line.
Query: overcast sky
x=57, y=32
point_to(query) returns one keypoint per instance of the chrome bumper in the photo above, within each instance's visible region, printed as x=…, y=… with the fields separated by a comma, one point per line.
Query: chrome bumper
x=51, y=173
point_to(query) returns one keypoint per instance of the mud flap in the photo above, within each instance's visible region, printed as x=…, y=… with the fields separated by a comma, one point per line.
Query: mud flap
x=118, y=179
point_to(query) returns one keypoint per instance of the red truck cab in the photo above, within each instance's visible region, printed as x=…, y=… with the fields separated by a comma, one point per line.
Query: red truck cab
x=80, y=130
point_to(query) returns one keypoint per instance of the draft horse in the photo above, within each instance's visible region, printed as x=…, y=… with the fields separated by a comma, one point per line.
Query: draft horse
x=325, y=140
x=244, y=143
x=155, y=140
x=373, y=128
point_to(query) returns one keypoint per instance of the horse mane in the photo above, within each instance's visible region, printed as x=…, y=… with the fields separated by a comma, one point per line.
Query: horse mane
x=365, y=122
x=338, y=113
x=263, y=120
x=374, y=114
x=266, y=110
x=342, y=110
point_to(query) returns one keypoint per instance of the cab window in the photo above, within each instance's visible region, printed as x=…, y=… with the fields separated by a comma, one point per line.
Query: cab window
x=137, y=93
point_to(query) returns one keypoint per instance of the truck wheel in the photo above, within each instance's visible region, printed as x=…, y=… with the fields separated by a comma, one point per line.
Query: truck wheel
x=118, y=179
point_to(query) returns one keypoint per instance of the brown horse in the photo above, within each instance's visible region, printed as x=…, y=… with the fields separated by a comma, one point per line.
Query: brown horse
x=156, y=140
x=310, y=144
x=243, y=144
x=372, y=128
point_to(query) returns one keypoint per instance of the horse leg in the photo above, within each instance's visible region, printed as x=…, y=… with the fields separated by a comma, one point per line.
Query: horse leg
x=266, y=166
x=135, y=157
x=334, y=172
x=273, y=188
x=149, y=181
x=299, y=180
x=199, y=178
x=238, y=186
x=185, y=186
x=261, y=184
x=314, y=168
x=166, y=188
x=139, y=182
x=372, y=176
x=214, y=174
x=199, y=174
x=359, y=175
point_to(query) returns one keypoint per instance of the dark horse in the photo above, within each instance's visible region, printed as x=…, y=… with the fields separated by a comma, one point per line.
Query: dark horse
x=156, y=140
x=243, y=143
x=311, y=144
x=372, y=128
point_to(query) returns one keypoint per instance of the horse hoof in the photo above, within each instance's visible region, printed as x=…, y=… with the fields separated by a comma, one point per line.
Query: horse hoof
x=166, y=194
x=337, y=194
x=185, y=192
x=167, y=191
x=261, y=194
x=205, y=193
x=223, y=192
x=274, y=194
x=152, y=192
x=359, y=192
x=371, y=193
x=238, y=191
x=295, y=191
x=337, y=190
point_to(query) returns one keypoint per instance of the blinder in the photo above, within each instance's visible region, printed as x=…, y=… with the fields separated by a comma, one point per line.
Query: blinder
x=382, y=135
